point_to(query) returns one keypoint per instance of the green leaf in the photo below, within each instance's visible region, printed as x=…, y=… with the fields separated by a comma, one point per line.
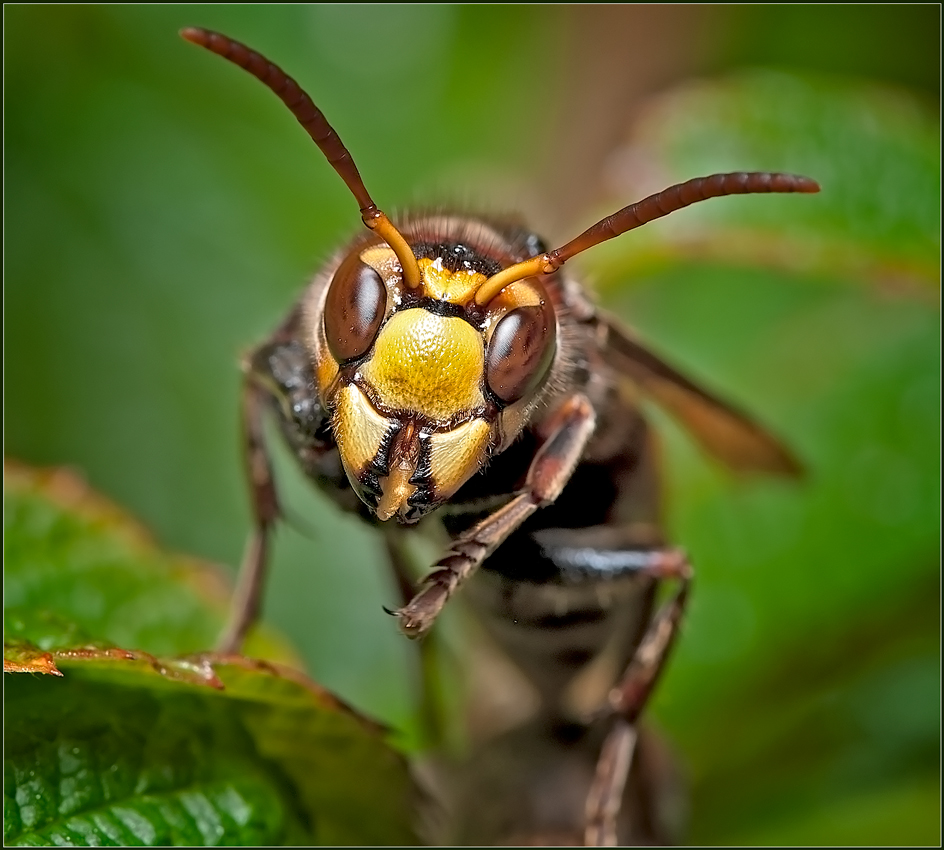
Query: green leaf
x=125, y=746
x=875, y=151
x=126, y=749
x=78, y=568
x=91, y=763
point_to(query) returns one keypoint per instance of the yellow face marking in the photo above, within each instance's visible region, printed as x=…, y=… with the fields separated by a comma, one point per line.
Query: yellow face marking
x=519, y=294
x=455, y=287
x=456, y=455
x=358, y=428
x=326, y=367
x=427, y=364
x=326, y=371
x=383, y=261
x=440, y=283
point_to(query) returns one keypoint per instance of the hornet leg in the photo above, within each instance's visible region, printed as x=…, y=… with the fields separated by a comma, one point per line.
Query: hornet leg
x=570, y=429
x=265, y=509
x=629, y=698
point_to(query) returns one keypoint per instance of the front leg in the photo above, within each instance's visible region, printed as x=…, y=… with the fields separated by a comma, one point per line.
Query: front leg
x=265, y=510
x=278, y=375
x=570, y=428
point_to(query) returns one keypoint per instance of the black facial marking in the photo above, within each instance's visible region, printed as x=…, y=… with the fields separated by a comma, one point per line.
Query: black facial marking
x=367, y=487
x=443, y=308
x=424, y=497
x=380, y=465
x=456, y=257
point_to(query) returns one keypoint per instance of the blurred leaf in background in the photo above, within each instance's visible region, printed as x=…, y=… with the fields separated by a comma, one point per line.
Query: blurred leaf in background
x=163, y=212
x=812, y=600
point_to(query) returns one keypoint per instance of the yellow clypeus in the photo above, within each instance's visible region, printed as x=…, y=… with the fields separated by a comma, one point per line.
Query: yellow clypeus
x=427, y=364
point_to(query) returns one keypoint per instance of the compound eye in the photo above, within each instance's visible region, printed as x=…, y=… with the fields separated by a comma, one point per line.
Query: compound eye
x=520, y=351
x=354, y=309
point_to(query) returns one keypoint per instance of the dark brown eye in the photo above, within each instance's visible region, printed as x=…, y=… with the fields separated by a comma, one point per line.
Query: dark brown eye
x=520, y=351
x=354, y=309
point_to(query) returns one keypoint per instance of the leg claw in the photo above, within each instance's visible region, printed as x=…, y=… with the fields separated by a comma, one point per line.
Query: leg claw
x=418, y=615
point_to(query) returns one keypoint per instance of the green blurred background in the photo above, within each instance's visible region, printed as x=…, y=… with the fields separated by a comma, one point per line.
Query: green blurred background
x=163, y=211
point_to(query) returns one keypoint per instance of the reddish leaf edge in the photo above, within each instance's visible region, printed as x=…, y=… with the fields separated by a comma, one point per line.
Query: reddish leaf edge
x=205, y=669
